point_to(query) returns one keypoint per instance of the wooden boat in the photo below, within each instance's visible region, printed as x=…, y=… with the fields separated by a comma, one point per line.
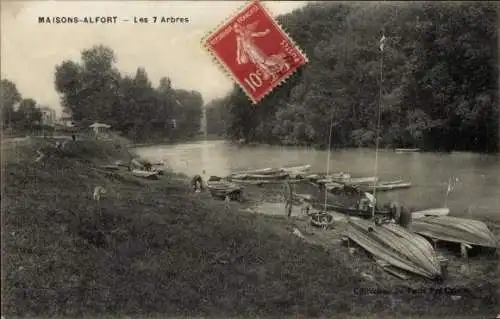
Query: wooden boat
x=158, y=163
x=407, y=150
x=430, y=212
x=221, y=189
x=145, y=174
x=295, y=169
x=159, y=170
x=455, y=229
x=121, y=163
x=353, y=211
x=363, y=180
x=250, y=182
x=321, y=219
x=312, y=177
x=382, y=187
x=237, y=176
x=276, y=176
x=396, y=246
x=348, y=180
x=333, y=186
x=262, y=171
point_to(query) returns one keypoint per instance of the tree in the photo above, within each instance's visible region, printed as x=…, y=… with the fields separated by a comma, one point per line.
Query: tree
x=188, y=108
x=94, y=90
x=10, y=98
x=28, y=115
x=89, y=90
x=439, y=85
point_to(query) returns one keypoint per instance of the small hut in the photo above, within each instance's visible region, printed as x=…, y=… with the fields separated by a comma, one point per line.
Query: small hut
x=100, y=129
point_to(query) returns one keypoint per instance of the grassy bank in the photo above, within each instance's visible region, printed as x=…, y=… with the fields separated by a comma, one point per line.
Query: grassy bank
x=156, y=249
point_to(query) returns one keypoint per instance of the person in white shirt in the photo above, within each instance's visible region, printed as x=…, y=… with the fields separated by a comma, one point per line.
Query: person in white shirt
x=367, y=202
x=370, y=200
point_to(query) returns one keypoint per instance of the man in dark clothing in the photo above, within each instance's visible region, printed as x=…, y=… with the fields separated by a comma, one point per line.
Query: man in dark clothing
x=400, y=215
x=197, y=183
x=288, y=197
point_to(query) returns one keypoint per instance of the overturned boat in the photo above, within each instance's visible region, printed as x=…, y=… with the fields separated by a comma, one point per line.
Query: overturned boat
x=444, y=211
x=396, y=247
x=455, y=229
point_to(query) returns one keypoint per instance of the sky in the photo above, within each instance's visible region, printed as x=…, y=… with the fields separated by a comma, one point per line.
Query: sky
x=30, y=51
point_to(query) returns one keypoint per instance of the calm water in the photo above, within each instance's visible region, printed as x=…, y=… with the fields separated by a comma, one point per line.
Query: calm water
x=477, y=177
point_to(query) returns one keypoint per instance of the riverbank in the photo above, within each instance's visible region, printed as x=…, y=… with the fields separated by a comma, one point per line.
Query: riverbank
x=153, y=248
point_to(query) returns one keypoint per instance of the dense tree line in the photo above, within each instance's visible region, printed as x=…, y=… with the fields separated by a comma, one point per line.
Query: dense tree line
x=439, y=83
x=94, y=90
x=18, y=113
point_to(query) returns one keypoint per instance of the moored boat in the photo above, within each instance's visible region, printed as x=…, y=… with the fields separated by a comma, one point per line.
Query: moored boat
x=295, y=169
x=264, y=177
x=363, y=180
x=382, y=187
x=430, y=212
x=347, y=179
x=145, y=174
x=396, y=246
x=353, y=210
x=407, y=150
x=261, y=171
x=455, y=229
x=158, y=170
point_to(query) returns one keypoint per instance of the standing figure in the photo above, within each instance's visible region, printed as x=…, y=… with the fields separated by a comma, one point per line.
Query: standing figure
x=400, y=215
x=197, y=183
x=247, y=51
x=288, y=197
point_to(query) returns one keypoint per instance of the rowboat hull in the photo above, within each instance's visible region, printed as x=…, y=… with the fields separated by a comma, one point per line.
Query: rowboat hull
x=396, y=246
x=262, y=171
x=350, y=180
x=407, y=150
x=455, y=229
x=278, y=176
x=430, y=212
x=385, y=187
x=145, y=174
x=353, y=211
x=221, y=189
x=295, y=169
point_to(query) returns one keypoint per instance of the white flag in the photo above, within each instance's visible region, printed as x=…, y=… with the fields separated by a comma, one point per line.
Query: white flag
x=382, y=42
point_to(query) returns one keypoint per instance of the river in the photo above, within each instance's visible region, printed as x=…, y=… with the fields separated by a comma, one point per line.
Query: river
x=476, y=190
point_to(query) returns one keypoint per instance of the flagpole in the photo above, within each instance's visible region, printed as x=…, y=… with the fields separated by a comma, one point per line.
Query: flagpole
x=378, y=121
x=328, y=159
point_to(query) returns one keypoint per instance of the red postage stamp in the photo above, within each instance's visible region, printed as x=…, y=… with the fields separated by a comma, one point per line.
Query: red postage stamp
x=255, y=50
